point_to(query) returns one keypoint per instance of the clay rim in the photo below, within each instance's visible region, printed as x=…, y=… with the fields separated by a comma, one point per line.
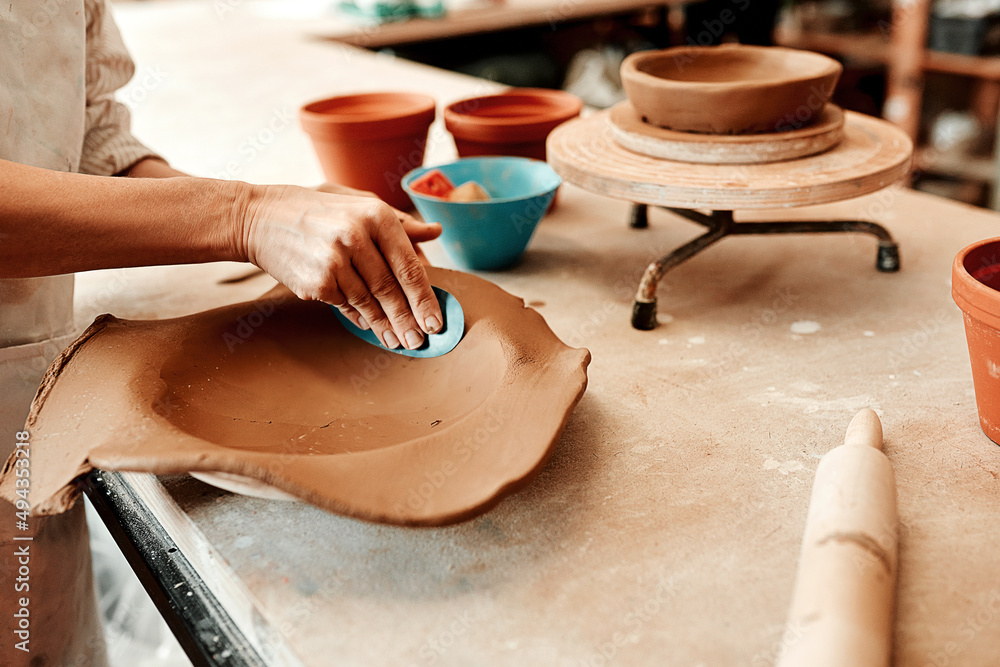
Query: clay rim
x=631, y=64
x=391, y=115
x=554, y=107
x=420, y=171
x=830, y=113
x=974, y=298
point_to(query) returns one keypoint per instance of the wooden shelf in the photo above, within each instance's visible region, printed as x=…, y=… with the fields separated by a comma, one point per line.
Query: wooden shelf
x=871, y=47
x=963, y=167
x=907, y=60
x=980, y=67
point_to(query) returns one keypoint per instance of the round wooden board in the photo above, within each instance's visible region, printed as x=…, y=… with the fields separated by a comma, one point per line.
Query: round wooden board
x=872, y=154
x=632, y=133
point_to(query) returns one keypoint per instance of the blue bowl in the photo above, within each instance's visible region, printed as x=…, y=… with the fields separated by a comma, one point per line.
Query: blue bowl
x=489, y=235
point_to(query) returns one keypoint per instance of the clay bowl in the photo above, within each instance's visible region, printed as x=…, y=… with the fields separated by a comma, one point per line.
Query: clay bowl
x=276, y=390
x=489, y=235
x=975, y=286
x=370, y=140
x=515, y=122
x=729, y=89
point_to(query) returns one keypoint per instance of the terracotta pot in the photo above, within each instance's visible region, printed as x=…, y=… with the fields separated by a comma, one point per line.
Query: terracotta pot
x=975, y=286
x=729, y=89
x=515, y=122
x=370, y=140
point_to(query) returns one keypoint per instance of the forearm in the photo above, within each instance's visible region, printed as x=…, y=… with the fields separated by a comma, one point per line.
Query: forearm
x=55, y=222
x=151, y=168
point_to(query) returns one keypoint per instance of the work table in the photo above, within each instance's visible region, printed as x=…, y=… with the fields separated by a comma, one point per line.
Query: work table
x=665, y=529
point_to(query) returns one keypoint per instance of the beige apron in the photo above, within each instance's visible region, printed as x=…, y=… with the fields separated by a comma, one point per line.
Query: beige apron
x=42, y=122
x=43, y=104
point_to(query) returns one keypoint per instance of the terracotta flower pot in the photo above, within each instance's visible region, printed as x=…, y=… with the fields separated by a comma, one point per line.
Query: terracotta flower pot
x=975, y=286
x=515, y=122
x=729, y=89
x=370, y=140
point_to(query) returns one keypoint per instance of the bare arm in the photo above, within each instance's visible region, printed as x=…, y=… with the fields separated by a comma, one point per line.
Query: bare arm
x=54, y=222
x=151, y=167
x=349, y=251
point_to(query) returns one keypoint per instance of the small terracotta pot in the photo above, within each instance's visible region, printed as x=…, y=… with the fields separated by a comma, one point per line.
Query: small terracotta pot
x=975, y=286
x=370, y=140
x=515, y=122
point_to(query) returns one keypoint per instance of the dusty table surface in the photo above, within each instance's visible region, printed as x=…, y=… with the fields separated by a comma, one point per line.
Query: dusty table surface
x=666, y=527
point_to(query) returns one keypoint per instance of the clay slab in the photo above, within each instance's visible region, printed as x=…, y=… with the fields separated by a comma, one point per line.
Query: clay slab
x=278, y=391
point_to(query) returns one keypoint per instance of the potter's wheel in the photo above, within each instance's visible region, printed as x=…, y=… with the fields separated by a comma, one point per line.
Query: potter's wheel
x=632, y=133
x=872, y=154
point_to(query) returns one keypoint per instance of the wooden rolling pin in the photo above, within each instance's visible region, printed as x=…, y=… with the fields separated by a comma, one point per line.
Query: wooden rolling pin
x=842, y=608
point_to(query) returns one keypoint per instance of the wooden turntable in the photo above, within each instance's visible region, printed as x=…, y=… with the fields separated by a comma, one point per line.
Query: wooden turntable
x=870, y=154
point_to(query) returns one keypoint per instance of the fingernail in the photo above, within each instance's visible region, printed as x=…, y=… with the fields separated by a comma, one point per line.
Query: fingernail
x=390, y=340
x=433, y=324
x=413, y=339
x=363, y=323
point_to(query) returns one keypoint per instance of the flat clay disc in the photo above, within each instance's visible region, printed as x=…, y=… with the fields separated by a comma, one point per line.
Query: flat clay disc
x=274, y=395
x=632, y=133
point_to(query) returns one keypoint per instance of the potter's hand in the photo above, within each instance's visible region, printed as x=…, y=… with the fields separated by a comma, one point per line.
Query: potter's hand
x=349, y=251
x=416, y=230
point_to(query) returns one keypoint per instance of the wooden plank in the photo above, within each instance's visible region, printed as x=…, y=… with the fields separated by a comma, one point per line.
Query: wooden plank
x=871, y=47
x=908, y=35
x=980, y=67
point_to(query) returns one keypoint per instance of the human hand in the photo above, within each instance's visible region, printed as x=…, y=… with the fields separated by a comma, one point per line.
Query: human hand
x=416, y=230
x=347, y=250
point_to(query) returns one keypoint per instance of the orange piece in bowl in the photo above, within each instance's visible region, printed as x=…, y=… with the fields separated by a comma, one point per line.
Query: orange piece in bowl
x=467, y=192
x=433, y=184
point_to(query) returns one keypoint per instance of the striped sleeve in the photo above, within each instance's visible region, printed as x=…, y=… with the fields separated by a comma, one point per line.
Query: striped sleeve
x=108, y=145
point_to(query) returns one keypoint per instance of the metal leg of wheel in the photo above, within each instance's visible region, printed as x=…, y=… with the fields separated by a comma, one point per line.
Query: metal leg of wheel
x=639, y=217
x=644, y=315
